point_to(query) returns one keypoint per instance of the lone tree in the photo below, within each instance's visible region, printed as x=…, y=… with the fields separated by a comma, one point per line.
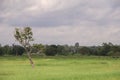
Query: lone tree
x=24, y=37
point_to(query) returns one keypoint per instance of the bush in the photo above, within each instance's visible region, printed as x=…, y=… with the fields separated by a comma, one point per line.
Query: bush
x=112, y=53
x=1, y=51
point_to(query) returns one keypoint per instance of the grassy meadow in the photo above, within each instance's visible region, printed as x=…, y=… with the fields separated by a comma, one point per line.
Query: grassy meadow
x=60, y=68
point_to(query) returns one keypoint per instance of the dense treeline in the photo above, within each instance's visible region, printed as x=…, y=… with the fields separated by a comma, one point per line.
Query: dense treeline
x=11, y=50
x=106, y=49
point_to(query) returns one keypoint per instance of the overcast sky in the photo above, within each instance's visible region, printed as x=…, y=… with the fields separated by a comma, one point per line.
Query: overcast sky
x=89, y=22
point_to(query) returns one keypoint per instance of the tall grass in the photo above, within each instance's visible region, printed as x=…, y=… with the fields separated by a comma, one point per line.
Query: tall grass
x=60, y=68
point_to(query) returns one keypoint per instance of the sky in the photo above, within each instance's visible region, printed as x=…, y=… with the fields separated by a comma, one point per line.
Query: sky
x=89, y=22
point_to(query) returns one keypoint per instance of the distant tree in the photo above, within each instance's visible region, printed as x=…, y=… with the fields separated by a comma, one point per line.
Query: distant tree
x=114, y=51
x=67, y=50
x=94, y=50
x=106, y=48
x=7, y=50
x=51, y=50
x=39, y=49
x=115, y=48
x=60, y=50
x=76, y=47
x=1, y=51
x=85, y=51
x=24, y=37
x=17, y=50
x=72, y=50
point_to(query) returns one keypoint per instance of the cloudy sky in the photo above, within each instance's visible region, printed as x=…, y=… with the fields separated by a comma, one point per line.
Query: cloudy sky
x=89, y=22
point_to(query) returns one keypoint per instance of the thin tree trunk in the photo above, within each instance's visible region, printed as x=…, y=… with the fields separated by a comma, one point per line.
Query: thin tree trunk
x=30, y=59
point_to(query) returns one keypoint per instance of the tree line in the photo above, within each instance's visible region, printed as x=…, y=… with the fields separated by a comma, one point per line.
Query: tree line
x=25, y=36
x=106, y=49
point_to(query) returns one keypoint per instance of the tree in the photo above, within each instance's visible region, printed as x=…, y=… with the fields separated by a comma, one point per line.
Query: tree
x=51, y=50
x=24, y=37
x=84, y=51
x=106, y=48
x=1, y=51
x=17, y=50
x=38, y=49
x=66, y=50
x=7, y=50
x=60, y=50
x=76, y=47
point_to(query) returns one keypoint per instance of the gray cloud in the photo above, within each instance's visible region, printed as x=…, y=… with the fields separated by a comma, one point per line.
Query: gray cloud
x=88, y=21
x=93, y=11
x=84, y=10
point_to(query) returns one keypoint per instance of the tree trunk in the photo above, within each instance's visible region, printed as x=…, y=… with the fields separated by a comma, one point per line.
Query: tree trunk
x=30, y=59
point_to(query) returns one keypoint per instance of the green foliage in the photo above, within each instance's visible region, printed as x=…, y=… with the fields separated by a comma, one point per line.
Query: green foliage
x=106, y=49
x=7, y=50
x=115, y=54
x=60, y=50
x=84, y=51
x=18, y=50
x=77, y=47
x=64, y=50
x=11, y=50
x=24, y=36
x=51, y=50
x=38, y=49
x=1, y=51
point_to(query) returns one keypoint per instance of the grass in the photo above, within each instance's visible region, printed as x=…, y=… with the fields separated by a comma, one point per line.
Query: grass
x=60, y=68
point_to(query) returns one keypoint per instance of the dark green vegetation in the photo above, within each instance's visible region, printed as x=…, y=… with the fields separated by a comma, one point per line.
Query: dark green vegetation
x=106, y=49
x=60, y=68
x=15, y=50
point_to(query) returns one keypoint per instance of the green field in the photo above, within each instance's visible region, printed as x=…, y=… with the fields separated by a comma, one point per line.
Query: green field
x=60, y=68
